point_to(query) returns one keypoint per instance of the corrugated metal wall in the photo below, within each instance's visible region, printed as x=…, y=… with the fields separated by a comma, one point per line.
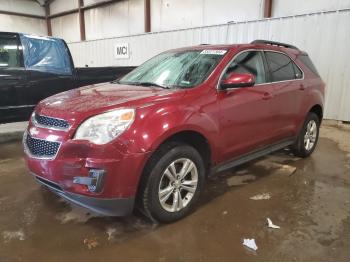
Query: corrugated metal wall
x=325, y=36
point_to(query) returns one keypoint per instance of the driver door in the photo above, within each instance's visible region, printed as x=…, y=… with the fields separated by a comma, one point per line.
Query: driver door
x=246, y=120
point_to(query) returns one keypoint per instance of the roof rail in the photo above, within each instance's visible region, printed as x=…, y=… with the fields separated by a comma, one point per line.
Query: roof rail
x=267, y=42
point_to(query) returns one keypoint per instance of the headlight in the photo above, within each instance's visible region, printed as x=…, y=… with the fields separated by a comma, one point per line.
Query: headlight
x=103, y=128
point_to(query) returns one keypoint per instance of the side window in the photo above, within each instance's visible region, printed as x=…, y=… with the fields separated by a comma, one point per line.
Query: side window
x=9, y=51
x=248, y=62
x=307, y=61
x=297, y=72
x=281, y=67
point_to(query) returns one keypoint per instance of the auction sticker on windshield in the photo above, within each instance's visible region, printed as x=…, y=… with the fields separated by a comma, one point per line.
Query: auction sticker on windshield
x=213, y=52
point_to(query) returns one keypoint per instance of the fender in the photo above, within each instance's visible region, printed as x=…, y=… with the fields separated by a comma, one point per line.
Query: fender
x=168, y=120
x=313, y=97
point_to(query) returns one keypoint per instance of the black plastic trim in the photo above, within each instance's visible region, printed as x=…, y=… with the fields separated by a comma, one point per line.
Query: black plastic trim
x=252, y=155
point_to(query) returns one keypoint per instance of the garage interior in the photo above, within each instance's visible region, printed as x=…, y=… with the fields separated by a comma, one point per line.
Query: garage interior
x=309, y=199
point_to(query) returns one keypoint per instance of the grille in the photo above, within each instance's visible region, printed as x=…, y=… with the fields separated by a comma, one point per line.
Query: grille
x=41, y=148
x=51, y=122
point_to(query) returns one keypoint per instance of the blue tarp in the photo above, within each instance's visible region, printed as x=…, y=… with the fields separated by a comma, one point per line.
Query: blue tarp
x=46, y=54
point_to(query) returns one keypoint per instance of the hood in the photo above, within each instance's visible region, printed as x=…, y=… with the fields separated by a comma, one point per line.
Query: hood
x=98, y=98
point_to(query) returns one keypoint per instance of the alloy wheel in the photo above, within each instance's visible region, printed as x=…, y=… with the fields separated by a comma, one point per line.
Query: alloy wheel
x=178, y=185
x=310, y=135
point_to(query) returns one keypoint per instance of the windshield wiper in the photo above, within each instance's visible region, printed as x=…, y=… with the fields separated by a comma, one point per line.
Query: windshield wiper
x=151, y=84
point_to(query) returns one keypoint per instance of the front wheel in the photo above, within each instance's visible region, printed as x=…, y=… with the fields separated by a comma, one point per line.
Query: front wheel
x=173, y=184
x=308, y=137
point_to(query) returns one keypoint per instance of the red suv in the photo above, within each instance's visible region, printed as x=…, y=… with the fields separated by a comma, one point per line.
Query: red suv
x=151, y=138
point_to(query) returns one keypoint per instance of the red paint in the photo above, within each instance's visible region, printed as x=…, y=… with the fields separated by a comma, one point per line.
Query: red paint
x=234, y=121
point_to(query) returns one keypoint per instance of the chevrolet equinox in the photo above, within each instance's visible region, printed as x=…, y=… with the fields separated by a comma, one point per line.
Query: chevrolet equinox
x=149, y=139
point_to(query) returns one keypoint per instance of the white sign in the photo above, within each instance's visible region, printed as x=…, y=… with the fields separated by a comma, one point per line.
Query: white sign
x=213, y=52
x=121, y=51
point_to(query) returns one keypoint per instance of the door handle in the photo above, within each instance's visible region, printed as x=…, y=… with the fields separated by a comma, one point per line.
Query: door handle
x=267, y=96
x=302, y=87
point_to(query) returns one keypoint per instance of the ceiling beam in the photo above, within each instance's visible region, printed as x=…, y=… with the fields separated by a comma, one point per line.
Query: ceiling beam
x=99, y=4
x=83, y=8
x=268, y=8
x=68, y=12
x=21, y=14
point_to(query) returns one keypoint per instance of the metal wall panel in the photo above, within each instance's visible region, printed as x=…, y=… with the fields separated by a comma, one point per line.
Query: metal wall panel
x=325, y=36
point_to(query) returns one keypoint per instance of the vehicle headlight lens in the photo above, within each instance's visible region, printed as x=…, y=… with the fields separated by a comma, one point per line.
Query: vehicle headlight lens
x=103, y=128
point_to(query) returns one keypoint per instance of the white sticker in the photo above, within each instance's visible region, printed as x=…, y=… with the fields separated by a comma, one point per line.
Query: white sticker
x=213, y=52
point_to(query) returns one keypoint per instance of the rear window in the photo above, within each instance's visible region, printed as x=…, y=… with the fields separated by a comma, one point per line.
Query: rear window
x=282, y=67
x=307, y=61
x=9, y=51
x=46, y=54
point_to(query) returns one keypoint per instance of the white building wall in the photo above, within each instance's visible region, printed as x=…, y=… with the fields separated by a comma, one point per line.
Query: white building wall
x=177, y=14
x=22, y=6
x=118, y=19
x=325, y=36
x=14, y=23
x=288, y=7
x=66, y=27
x=59, y=6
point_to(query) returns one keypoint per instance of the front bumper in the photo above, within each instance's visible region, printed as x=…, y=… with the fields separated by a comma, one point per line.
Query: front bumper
x=106, y=207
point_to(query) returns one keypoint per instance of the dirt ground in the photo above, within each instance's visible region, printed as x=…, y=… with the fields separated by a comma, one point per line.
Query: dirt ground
x=308, y=198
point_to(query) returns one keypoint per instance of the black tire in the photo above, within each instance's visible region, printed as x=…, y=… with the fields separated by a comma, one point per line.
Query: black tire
x=149, y=190
x=299, y=148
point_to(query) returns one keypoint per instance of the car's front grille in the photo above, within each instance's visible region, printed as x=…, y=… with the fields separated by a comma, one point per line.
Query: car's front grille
x=40, y=148
x=51, y=122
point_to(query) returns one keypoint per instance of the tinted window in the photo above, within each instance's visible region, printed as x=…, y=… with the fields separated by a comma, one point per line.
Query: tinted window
x=307, y=61
x=281, y=66
x=248, y=62
x=9, y=51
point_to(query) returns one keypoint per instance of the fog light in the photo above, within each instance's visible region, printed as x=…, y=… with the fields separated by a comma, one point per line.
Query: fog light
x=94, y=181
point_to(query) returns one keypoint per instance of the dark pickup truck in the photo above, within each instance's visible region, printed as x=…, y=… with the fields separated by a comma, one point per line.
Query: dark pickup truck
x=35, y=67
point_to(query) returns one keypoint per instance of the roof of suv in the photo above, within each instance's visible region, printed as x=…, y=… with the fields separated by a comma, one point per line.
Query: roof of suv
x=257, y=44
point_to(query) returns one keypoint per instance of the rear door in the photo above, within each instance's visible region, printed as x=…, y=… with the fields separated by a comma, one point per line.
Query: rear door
x=286, y=80
x=246, y=121
x=13, y=77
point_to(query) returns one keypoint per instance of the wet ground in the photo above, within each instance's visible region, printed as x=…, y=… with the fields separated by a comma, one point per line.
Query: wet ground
x=308, y=198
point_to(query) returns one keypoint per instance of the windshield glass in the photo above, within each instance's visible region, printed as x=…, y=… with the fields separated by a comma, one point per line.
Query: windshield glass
x=175, y=69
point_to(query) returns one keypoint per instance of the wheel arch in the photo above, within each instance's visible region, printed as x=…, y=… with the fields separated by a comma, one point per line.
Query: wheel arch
x=318, y=110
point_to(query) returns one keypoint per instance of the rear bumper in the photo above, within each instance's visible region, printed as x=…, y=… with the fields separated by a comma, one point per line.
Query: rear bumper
x=103, y=206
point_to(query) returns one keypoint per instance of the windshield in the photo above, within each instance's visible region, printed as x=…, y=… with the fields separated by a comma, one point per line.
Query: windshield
x=175, y=69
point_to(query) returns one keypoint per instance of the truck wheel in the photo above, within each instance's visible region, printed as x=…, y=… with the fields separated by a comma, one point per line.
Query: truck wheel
x=172, y=182
x=308, y=137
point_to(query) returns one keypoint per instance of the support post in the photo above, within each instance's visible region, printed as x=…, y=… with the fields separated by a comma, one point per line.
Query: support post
x=147, y=16
x=81, y=20
x=267, y=8
x=48, y=19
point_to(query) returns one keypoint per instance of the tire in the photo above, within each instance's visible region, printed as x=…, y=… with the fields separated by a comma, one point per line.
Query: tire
x=308, y=136
x=159, y=188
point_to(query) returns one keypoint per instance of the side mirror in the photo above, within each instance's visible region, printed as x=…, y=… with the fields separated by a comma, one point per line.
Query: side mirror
x=235, y=80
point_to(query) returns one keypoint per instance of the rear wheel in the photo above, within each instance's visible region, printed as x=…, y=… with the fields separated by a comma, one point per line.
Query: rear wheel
x=172, y=182
x=308, y=137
